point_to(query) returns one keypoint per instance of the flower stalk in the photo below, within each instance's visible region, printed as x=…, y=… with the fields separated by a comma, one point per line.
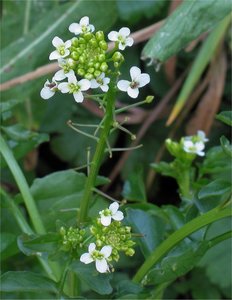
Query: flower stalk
x=97, y=158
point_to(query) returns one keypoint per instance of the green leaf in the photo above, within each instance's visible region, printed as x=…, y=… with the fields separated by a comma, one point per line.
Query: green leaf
x=217, y=188
x=226, y=146
x=44, y=244
x=8, y=245
x=185, y=24
x=24, y=281
x=134, y=188
x=179, y=262
x=150, y=227
x=25, y=53
x=225, y=117
x=97, y=282
x=164, y=168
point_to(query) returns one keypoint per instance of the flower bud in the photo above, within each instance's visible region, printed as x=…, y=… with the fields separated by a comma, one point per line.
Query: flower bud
x=103, y=67
x=130, y=252
x=62, y=230
x=97, y=73
x=87, y=36
x=81, y=72
x=82, y=40
x=103, y=45
x=75, y=42
x=89, y=76
x=74, y=55
x=100, y=36
x=101, y=57
x=149, y=99
x=118, y=57
x=116, y=64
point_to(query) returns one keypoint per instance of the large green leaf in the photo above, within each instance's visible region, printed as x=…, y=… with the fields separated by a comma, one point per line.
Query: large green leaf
x=187, y=22
x=8, y=245
x=150, y=227
x=177, y=263
x=25, y=53
x=225, y=117
x=24, y=281
x=100, y=283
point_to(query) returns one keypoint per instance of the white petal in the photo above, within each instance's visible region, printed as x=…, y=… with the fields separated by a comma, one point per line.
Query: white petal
x=70, y=73
x=84, y=84
x=68, y=44
x=200, y=153
x=86, y=258
x=106, y=251
x=91, y=28
x=84, y=21
x=66, y=53
x=105, y=220
x=123, y=85
x=104, y=88
x=46, y=93
x=91, y=247
x=118, y=216
x=124, y=31
x=188, y=144
x=75, y=28
x=133, y=93
x=113, y=36
x=94, y=84
x=199, y=146
x=129, y=41
x=106, y=80
x=72, y=78
x=135, y=73
x=59, y=75
x=54, y=55
x=121, y=46
x=144, y=79
x=63, y=87
x=114, y=207
x=56, y=42
x=201, y=135
x=78, y=97
x=102, y=266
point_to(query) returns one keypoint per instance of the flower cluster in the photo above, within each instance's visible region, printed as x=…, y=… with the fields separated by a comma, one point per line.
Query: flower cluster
x=85, y=63
x=72, y=238
x=110, y=238
x=195, y=144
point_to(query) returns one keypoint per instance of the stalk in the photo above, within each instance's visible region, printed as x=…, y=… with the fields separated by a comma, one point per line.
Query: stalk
x=98, y=155
x=190, y=227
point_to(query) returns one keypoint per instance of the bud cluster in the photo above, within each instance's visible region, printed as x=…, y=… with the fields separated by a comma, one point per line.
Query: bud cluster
x=72, y=238
x=89, y=52
x=116, y=235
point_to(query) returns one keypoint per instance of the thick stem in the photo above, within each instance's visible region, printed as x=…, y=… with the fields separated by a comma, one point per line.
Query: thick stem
x=192, y=226
x=97, y=158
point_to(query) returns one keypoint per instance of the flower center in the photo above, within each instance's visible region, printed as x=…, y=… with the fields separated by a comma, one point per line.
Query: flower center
x=61, y=50
x=97, y=255
x=99, y=81
x=107, y=212
x=121, y=39
x=73, y=88
x=51, y=85
x=134, y=84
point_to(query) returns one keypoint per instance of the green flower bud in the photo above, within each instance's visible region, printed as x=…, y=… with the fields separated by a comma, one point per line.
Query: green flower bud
x=100, y=36
x=103, y=45
x=98, y=243
x=149, y=99
x=101, y=57
x=81, y=72
x=87, y=36
x=93, y=43
x=82, y=40
x=103, y=67
x=97, y=65
x=91, y=70
x=82, y=59
x=116, y=64
x=62, y=230
x=74, y=55
x=130, y=252
x=96, y=74
x=75, y=42
x=118, y=57
x=89, y=76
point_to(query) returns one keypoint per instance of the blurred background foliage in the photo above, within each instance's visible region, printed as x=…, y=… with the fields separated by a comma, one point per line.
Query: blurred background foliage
x=188, y=61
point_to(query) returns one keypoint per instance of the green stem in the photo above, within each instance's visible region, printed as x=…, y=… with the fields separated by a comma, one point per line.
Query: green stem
x=97, y=158
x=192, y=226
x=23, y=187
x=184, y=184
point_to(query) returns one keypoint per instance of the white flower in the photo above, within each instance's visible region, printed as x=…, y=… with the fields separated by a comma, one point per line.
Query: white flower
x=82, y=27
x=49, y=89
x=195, y=148
x=75, y=87
x=111, y=213
x=101, y=82
x=122, y=37
x=201, y=136
x=61, y=48
x=100, y=257
x=66, y=70
x=138, y=80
